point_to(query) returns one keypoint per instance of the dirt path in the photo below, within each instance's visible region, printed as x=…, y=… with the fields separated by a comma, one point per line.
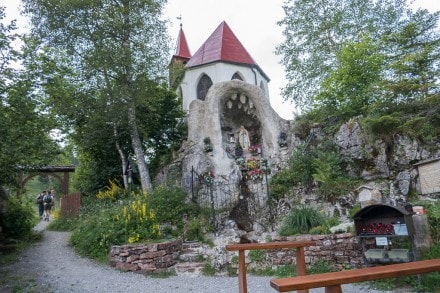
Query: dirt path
x=52, y=266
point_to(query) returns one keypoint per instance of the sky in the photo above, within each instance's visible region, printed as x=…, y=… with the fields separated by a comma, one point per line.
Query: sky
x=254, y=22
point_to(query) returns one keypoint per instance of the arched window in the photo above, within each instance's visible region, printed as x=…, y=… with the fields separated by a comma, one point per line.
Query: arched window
x=237, y=76
x=203, y=86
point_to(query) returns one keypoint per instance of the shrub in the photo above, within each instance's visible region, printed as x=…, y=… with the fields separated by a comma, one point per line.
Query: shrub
x=19, y=219
x=281, y=184
x=170, y=205
x=131, y=221
x=300, y=220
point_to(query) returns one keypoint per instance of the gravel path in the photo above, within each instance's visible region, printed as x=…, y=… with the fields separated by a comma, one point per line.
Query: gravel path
x=52, y=266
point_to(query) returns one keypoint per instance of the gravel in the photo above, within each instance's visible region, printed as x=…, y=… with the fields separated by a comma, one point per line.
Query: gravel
x=52, y=266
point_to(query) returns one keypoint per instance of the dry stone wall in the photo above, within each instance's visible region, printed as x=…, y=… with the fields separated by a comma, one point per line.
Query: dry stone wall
x=339, y=250
x=145, y=258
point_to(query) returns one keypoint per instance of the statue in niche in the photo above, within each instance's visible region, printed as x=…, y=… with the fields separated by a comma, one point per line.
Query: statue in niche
x=243, y=138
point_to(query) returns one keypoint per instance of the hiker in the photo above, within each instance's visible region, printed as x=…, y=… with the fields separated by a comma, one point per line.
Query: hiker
x=40, y=204
x=48, y=203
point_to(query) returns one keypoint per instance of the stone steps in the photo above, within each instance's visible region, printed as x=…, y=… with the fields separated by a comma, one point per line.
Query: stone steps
x=192, y=268
x=191, y=259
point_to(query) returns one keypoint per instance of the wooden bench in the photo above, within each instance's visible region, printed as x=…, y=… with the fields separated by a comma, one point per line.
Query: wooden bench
x=332, y=281
x=300, y=258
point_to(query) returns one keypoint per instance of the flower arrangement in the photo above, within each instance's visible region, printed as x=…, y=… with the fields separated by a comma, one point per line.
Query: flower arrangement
x=241, y=162
x=255, y=149
x=255, y=174
x=252, y=164
x=207, y=177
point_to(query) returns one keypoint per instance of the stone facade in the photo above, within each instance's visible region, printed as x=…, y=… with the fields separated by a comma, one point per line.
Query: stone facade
x=145, y=258
x=339, y=250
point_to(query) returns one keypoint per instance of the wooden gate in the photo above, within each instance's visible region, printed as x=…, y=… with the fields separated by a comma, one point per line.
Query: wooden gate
x=70, y=205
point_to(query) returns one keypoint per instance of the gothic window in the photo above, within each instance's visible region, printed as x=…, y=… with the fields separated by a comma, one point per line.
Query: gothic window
x=203, y=86
x=237, y=76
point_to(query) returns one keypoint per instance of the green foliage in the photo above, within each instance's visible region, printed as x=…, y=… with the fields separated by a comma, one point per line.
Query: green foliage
x=258, y=256
x=24, y=126
x=208, y=269
x=300, y=220
x=104, y=223
x=281, y=184
x=170, y=205
x=433, y=213
x=329, y=173
x=320, y=266
x=314, y=34
x=354, y=209
x=384, y=125
x=350, y=88
x=301, y=166
x=19, y=219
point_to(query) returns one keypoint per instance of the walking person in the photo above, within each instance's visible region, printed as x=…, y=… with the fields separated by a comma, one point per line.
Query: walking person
x=40, y=204
x=48, y=203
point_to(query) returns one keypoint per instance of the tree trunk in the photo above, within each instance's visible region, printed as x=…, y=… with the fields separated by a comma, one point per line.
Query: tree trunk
x=122, y=156
x=139, y=152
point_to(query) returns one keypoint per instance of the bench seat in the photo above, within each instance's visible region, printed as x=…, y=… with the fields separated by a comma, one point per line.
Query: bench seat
x=332, y=281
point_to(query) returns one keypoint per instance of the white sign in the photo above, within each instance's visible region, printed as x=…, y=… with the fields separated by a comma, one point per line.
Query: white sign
x=382, y=241
x=430, y=177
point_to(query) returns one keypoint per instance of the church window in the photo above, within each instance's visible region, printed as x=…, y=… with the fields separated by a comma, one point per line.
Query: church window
x=203, y=86
x=237, y=76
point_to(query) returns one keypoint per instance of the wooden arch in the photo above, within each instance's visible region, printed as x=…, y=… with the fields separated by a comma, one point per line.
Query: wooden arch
x=61, y=173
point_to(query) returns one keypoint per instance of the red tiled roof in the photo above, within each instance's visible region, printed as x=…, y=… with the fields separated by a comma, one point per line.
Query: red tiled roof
x=182, y=49
x=222, y=45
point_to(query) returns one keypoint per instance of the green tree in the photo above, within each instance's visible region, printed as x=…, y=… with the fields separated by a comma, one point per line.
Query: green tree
x=24, y=128
x=351, y=87
x=413, y=59
x=315, y=32
x=115, y=48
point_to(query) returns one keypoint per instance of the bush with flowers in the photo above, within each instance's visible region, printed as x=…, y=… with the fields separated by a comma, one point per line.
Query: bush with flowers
x=207, y=177
x=255, y=174
x=255, y=149
x=252, y=163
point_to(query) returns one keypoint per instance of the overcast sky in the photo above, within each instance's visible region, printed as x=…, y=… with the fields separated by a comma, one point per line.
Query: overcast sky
x=252, y=21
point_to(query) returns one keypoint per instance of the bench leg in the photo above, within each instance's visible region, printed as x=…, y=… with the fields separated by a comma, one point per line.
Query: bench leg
x=301, y=265
x=242, y=284
x=333, y=289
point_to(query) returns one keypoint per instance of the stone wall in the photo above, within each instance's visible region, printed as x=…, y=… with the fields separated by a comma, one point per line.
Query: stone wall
x=145, y=258
x=340, y=250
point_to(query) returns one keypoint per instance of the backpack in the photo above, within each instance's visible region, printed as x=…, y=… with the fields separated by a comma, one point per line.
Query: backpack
x=47, y=199
x=40, y=199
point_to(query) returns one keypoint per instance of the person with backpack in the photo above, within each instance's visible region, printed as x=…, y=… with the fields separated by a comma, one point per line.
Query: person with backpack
x=48, y=203
x=40, y=204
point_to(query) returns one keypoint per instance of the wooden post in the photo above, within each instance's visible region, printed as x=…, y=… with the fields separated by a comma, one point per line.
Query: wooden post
x=242, y=284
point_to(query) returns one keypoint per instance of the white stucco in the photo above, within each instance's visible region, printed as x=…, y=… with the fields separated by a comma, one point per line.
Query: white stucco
x=219, y=72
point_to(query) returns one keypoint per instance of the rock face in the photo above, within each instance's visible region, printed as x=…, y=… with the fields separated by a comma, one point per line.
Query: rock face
x=388, y=168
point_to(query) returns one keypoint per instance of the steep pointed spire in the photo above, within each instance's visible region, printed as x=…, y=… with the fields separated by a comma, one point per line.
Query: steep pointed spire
x=182, y=49
x=222, y=45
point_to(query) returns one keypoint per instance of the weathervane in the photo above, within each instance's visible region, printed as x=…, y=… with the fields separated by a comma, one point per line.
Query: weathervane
x=180, y=18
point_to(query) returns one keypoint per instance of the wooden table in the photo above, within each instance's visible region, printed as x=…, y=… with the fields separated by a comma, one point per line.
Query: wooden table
x=300, y=258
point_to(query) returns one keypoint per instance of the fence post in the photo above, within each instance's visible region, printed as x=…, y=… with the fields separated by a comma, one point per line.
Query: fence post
x=212, y=208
